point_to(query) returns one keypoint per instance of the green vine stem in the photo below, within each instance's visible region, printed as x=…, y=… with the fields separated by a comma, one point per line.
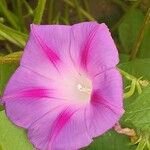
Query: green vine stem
x=11, y=58
x=127, y=75
x=131, y=91
x=140, y=36
x=136, y=83
x=143, y=142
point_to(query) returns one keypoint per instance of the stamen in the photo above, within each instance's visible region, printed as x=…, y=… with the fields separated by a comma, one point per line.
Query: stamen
x=83, y=89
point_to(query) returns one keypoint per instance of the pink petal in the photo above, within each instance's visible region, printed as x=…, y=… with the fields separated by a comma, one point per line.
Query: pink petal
x=47, y=50
x=24, y=78
x=39, y=58
x=82, y=45
x=28, y=96
x=55, y=37
x=109, y=86
x=43, y=94
x=100, y=118
x=60, y=129
x=93, y=48
x=105, y=108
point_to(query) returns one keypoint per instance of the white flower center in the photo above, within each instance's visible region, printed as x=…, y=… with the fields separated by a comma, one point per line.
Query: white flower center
x=74, y=88
x=83, y=89
x=78, y=89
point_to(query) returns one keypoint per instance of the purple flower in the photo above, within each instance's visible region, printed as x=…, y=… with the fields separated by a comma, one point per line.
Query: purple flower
x=67, y=89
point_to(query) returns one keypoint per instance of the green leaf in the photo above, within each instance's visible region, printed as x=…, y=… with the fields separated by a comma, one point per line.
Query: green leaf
x=8, y=65
x=129, y=29
x=140, y=35
x=13, y=36
x=137, y=67
x=137, y=107
x=6, y=70
x=138, y=111
x=111, y=141
x=123, y=58
x=39, y=11
x=12, y=137
x=1, y=107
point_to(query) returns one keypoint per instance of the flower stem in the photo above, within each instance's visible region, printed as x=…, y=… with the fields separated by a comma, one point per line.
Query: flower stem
x=127, y=75
x=140, y=36
x=125, y=131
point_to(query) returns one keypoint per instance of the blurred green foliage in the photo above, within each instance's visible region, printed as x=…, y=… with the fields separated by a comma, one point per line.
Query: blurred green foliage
x=12, y=138
x=129, y=23
x=116, y=142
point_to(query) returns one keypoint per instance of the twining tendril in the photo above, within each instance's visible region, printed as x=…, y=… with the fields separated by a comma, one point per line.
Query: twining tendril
x=136, y=83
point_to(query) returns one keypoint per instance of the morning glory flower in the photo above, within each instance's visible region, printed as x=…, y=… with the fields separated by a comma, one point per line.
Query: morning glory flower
x=67, y=89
